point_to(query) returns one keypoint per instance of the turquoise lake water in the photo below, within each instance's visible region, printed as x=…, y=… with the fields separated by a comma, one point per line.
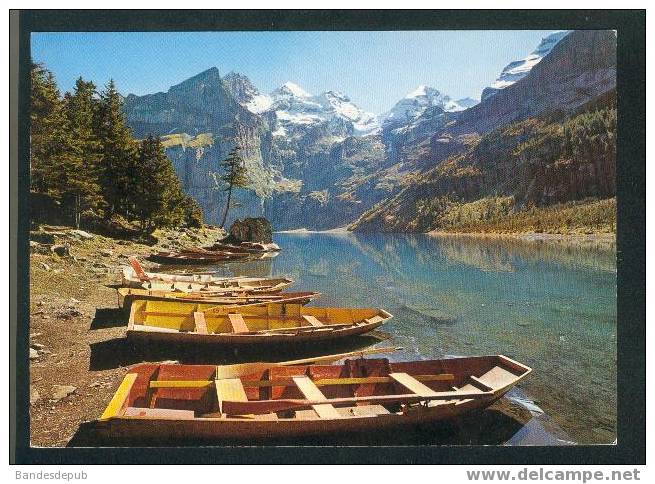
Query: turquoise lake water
x=549, y=305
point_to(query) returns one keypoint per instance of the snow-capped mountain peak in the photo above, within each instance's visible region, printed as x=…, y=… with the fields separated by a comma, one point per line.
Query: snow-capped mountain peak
x=294, y=107
x=421, y=90
x=246, y=93
x=290, y=89
x=516, y=70
x=460, y=104
x=416, y=102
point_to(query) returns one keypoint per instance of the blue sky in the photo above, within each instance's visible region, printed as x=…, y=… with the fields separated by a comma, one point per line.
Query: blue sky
x=375, y=69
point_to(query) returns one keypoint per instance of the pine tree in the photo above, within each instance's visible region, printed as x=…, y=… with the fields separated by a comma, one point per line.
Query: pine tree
x=118, y=152
x=192, y=212
x=234, y=176
x=82, y=165
x=61, y=166
x=156, y=195
x=47, y=127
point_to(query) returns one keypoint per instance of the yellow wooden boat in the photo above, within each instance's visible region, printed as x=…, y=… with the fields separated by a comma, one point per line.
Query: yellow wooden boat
x=259, y=401
x=127, y=294
x=190, y=322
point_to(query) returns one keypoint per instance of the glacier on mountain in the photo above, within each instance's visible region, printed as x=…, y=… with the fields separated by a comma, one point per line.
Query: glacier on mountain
x=415, y=103
x=293, y=107
x=516, y=70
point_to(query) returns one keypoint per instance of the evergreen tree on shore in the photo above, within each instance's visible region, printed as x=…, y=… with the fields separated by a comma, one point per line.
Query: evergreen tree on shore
x=118, y=151
x=83, y=155
x=63, y=156
x=82, y=169
x=234, y=176
x=47, y=127
x=157, y=196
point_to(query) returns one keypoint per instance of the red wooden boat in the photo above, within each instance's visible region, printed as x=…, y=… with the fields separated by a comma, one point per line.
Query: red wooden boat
x=266, y=400
x=196, y=257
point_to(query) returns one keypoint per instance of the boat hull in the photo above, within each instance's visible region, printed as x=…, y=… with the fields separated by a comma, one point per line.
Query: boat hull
x=188, y=259
x=232, y=429
x=125, y=299
x=226, y=339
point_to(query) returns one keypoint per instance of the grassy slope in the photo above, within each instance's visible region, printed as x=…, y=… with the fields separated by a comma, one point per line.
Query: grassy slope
x=584, y=217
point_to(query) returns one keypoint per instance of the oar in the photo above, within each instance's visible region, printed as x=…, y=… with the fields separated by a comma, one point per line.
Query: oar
x=239, y=369
x=140, y=273
x=269, y=406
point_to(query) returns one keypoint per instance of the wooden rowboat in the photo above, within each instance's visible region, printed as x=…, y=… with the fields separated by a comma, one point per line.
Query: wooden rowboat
x=196, y=257
x=200, y=282
x=251, y=247
x=170, y=402
x=127, y=294
x=274, y=323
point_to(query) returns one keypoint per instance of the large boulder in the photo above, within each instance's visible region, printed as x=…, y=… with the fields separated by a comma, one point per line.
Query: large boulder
x=250, y=230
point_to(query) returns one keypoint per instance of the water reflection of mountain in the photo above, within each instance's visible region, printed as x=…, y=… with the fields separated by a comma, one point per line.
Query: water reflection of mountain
x=488, y=254
x=500, y=254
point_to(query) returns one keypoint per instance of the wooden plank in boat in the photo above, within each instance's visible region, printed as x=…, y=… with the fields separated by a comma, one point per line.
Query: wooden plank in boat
x=312, y=321
x=412, y=384
x=283, y=404
x=497, y=377
x=159, y=413
x=201, y=324
x=138, y=270
x=229, y=389
x=130, y=321
x=238, y=324
x=311, y=392
x=289, y=381
x=374, y=319
x=119, y=399
x=480, y=384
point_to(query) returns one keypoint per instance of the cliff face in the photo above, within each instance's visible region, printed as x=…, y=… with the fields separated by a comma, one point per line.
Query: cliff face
x=199, y=122
x=533, y=162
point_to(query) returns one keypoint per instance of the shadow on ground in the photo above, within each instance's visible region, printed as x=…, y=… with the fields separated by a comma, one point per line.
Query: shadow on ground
x=120, y=352
x=493, y=426
x=108, y=318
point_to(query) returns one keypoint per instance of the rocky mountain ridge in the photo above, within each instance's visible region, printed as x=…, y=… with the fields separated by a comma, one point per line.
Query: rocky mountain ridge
x=518, y=69
x=319, y=161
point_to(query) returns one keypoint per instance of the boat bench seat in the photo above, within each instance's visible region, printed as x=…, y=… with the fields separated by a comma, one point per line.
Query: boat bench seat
x=497, y=377
x=230, y=390
x=238, y=324
x=374, y=319
x=201, y=325
x=311, y=392
x=412, y=384
x=479, y=383
x=312, y=321
x=465, y=388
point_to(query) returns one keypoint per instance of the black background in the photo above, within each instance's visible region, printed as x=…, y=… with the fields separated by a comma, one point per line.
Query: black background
x=631, y=225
